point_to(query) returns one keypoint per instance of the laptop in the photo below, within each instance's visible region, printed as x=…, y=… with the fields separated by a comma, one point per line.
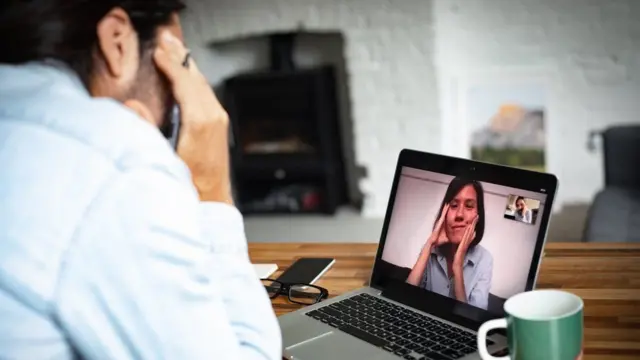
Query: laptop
x=422, y=303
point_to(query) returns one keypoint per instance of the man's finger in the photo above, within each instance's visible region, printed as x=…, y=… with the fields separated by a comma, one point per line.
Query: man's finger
x=169, y=68
x=173, y=46
x=193, y=66
x=170, y=55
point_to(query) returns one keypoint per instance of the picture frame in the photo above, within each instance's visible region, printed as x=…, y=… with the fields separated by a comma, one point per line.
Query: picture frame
x=470, y=101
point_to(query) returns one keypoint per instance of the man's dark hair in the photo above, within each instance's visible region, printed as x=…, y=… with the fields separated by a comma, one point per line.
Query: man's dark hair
x=455, y=186
x=66, y=30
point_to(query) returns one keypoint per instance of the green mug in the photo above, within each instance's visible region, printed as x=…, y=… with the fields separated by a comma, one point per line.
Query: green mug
x=541, y=324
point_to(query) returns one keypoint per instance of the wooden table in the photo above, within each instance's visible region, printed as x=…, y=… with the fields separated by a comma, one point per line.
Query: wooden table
x=605, y=275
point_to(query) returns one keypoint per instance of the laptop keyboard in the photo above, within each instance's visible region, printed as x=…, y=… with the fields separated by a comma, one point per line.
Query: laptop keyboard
x=397, y=330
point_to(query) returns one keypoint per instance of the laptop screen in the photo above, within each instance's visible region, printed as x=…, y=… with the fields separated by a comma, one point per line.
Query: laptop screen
x=468, y=240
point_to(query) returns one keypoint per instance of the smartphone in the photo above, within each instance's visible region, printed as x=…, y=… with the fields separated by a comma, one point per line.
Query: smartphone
x=171, y=126
x=306, y=270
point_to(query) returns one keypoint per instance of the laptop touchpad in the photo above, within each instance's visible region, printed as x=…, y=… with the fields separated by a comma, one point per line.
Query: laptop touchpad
x=335, y=346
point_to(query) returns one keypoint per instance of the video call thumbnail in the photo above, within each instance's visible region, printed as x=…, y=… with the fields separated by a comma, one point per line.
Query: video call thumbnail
x=520, y=208
x=455, y=237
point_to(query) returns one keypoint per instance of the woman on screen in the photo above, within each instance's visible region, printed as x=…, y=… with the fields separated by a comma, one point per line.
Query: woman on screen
x=523, y=213
x=452, y=262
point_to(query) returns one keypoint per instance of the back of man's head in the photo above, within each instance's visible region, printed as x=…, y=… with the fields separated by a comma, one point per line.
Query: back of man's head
x=83, y=34
x=66, y=29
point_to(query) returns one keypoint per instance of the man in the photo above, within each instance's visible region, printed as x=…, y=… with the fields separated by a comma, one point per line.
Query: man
x=112, y=245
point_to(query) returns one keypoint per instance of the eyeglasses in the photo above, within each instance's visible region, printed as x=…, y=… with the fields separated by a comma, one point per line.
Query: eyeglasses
x=304, y=294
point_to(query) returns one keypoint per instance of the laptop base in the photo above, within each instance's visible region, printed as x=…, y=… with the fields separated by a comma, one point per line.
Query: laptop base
x=305, y=338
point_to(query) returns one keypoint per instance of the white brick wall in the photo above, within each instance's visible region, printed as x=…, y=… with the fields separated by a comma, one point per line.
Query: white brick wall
x=389, y=59
x=400, y=53
x=589, y=49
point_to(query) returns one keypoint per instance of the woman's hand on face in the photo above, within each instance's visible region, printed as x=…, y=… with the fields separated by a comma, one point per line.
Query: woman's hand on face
x=438, y=237
x=203, y=141
x=467, y=238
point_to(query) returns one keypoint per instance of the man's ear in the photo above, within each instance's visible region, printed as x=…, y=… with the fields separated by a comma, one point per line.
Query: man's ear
x=118, y=45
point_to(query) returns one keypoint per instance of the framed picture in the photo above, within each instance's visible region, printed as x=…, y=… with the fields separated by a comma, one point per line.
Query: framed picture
x=500, y=117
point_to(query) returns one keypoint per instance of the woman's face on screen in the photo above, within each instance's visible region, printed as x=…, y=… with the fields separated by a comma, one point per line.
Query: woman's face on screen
x=520, y=204
x=463, y=208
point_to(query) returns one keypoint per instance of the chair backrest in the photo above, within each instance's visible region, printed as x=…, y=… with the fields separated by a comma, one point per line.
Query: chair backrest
x=621, y=150
x=496, y=304
x=394, y=271
x=534, y=215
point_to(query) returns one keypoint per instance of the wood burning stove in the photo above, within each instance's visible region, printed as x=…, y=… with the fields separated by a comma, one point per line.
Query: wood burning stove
x=287, y=150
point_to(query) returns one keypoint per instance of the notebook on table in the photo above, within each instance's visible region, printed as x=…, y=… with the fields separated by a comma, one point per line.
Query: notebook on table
x=263, y=271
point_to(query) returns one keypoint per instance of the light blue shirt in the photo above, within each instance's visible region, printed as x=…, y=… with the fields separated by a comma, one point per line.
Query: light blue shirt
x=526, y=217
x=477, y=273
x=106, y=251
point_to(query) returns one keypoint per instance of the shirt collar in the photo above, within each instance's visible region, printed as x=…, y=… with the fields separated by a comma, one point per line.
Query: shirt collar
x=63, y=71
x=48, y=71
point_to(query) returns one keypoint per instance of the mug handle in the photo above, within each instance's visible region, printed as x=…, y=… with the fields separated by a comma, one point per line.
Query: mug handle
x=482, y=338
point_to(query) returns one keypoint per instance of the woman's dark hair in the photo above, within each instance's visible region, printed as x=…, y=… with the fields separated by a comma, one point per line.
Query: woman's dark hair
x=66, y=30
x=455, y=186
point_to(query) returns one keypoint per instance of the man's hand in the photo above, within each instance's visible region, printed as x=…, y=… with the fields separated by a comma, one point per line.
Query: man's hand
x=204, y=125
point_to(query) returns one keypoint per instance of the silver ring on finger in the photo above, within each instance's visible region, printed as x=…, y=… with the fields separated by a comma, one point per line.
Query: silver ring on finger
x=186, y=60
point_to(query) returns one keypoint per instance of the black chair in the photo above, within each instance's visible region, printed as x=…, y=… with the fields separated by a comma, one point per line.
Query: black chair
x=496, y=304
x=621, y=154
x=393, y=271
x=534, y=215
x=401, y=273
x=614, y=215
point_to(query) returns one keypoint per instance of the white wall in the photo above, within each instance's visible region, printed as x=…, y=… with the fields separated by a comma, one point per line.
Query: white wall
x=511, y=243
x=404, y=55
x=587, y=51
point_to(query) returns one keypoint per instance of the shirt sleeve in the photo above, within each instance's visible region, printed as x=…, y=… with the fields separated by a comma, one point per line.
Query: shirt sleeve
x=153, y=273
x=479, y=295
